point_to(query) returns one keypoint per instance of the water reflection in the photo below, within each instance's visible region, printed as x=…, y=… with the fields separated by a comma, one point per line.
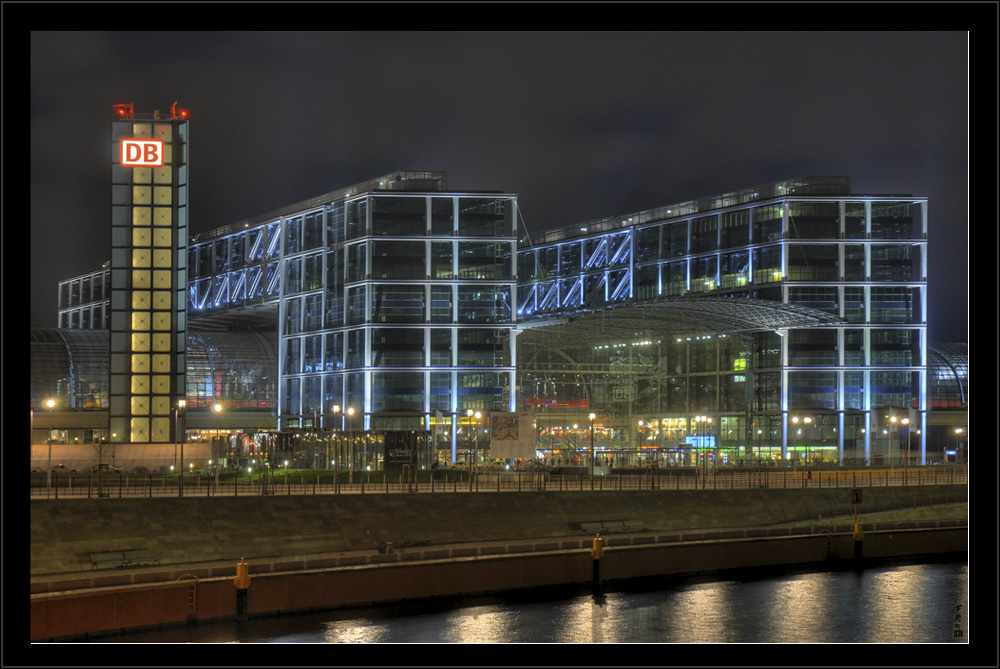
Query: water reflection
x=892, y=604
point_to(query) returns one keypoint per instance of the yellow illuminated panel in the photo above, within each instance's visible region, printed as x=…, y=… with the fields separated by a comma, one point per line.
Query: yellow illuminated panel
x=161, y=237
x=161, y=320
x=142, y=278
x=141, y=300
x=161, y=364
x=141, y=236
x=140, y=320
x=140, y=258
x=161, y=279
x=162, y=195
x=161, y=216
x=142, y=130
x=162, y=175
x=141, y=175
x=140, y=363
x=161, y=299
x=140, y=405
x=163, y=131
x=140, y=341
x=140, y=215
x=142, y=195
x=140, y=430
x=140, y=384
x=161, y=342
x=162, y=258
x=161, y=384
x=160, y=406
x=160, y=429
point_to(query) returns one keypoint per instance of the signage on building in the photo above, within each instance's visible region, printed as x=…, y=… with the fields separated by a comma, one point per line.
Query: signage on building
x=512, y=435
x=141, y=152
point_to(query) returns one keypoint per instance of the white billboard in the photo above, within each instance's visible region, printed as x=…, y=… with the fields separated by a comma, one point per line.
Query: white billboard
x=512, y=435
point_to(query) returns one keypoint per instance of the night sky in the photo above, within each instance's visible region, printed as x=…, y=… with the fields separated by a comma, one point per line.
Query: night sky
x=579, y=125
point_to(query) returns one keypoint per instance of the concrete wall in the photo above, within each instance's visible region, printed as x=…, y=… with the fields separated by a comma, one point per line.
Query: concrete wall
x=390, y=578
x=190, y=530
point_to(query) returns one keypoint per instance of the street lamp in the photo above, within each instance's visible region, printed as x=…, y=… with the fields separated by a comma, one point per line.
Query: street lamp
x=177, y=414
x=215, y=456
x=350, y=464
x=592, y=417
x=48, y=470
x=336, y=413
x=805, y=438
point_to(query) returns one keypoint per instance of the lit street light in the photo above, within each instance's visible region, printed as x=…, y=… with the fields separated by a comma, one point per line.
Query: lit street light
x=48, y=470
x=178, y=411
x=592, y=417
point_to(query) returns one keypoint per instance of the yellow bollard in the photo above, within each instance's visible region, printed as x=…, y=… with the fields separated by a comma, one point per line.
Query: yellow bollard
x=596, y=552
x=242, y=581
x=597, y=549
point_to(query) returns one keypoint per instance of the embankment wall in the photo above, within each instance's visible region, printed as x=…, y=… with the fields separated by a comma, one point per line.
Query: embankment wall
x=419, y=574
x=191, y=530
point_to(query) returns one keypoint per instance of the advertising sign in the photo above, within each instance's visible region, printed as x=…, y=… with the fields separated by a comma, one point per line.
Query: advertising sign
x=141, y=152
x=512, y=435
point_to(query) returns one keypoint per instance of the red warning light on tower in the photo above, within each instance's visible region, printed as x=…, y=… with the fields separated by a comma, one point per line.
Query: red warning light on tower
x=141, y=152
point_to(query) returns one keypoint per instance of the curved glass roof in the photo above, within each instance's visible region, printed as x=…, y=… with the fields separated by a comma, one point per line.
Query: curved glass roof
x=69, y=366
x=684, y=315
x=238, y=369
x=948, y=376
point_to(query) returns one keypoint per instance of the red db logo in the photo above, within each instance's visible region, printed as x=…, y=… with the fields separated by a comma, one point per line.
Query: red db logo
x=142, y=153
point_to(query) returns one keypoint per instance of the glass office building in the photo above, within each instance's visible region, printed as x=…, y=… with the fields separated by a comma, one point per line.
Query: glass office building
x=832, y=390
x=393, y=300
x=784, y=322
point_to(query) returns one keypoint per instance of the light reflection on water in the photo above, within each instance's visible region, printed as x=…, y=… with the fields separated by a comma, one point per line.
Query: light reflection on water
x=922, y=603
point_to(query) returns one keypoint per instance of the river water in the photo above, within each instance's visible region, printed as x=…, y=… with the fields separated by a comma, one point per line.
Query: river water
x=898, y=603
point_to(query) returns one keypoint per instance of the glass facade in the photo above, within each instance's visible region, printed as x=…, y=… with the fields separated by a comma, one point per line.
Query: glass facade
x=804, y=243
x=401, y=300
x=394, y=298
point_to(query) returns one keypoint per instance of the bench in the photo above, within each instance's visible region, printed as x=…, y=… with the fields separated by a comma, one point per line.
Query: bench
x=139, y=558
x=117, y=560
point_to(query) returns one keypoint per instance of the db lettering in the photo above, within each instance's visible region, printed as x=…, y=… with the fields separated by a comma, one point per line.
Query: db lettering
x=142, y=153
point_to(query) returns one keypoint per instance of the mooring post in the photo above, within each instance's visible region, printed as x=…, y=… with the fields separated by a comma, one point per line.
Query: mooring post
x=242, y=583
x=596, y=553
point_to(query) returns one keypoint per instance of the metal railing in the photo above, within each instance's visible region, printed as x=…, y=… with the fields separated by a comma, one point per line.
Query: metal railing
x=154, y=485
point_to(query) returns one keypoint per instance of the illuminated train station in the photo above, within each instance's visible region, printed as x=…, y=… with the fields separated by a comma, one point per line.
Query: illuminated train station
x=783, y=323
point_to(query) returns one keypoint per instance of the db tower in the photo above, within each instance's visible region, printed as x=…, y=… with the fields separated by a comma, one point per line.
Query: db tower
x=148, y=328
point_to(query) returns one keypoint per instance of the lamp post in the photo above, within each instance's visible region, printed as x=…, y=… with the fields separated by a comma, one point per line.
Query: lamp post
x=592, y=417
x=48, y=470
x=706, y=420
x=350, y=459
x=178, y=411
x=215, y=456
x=805, y=435
x=336, y=412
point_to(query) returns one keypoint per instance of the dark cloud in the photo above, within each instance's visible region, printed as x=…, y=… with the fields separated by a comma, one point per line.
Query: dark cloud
x=579, y=125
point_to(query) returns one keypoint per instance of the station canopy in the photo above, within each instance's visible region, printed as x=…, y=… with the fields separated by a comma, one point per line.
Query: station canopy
x=670, y=317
